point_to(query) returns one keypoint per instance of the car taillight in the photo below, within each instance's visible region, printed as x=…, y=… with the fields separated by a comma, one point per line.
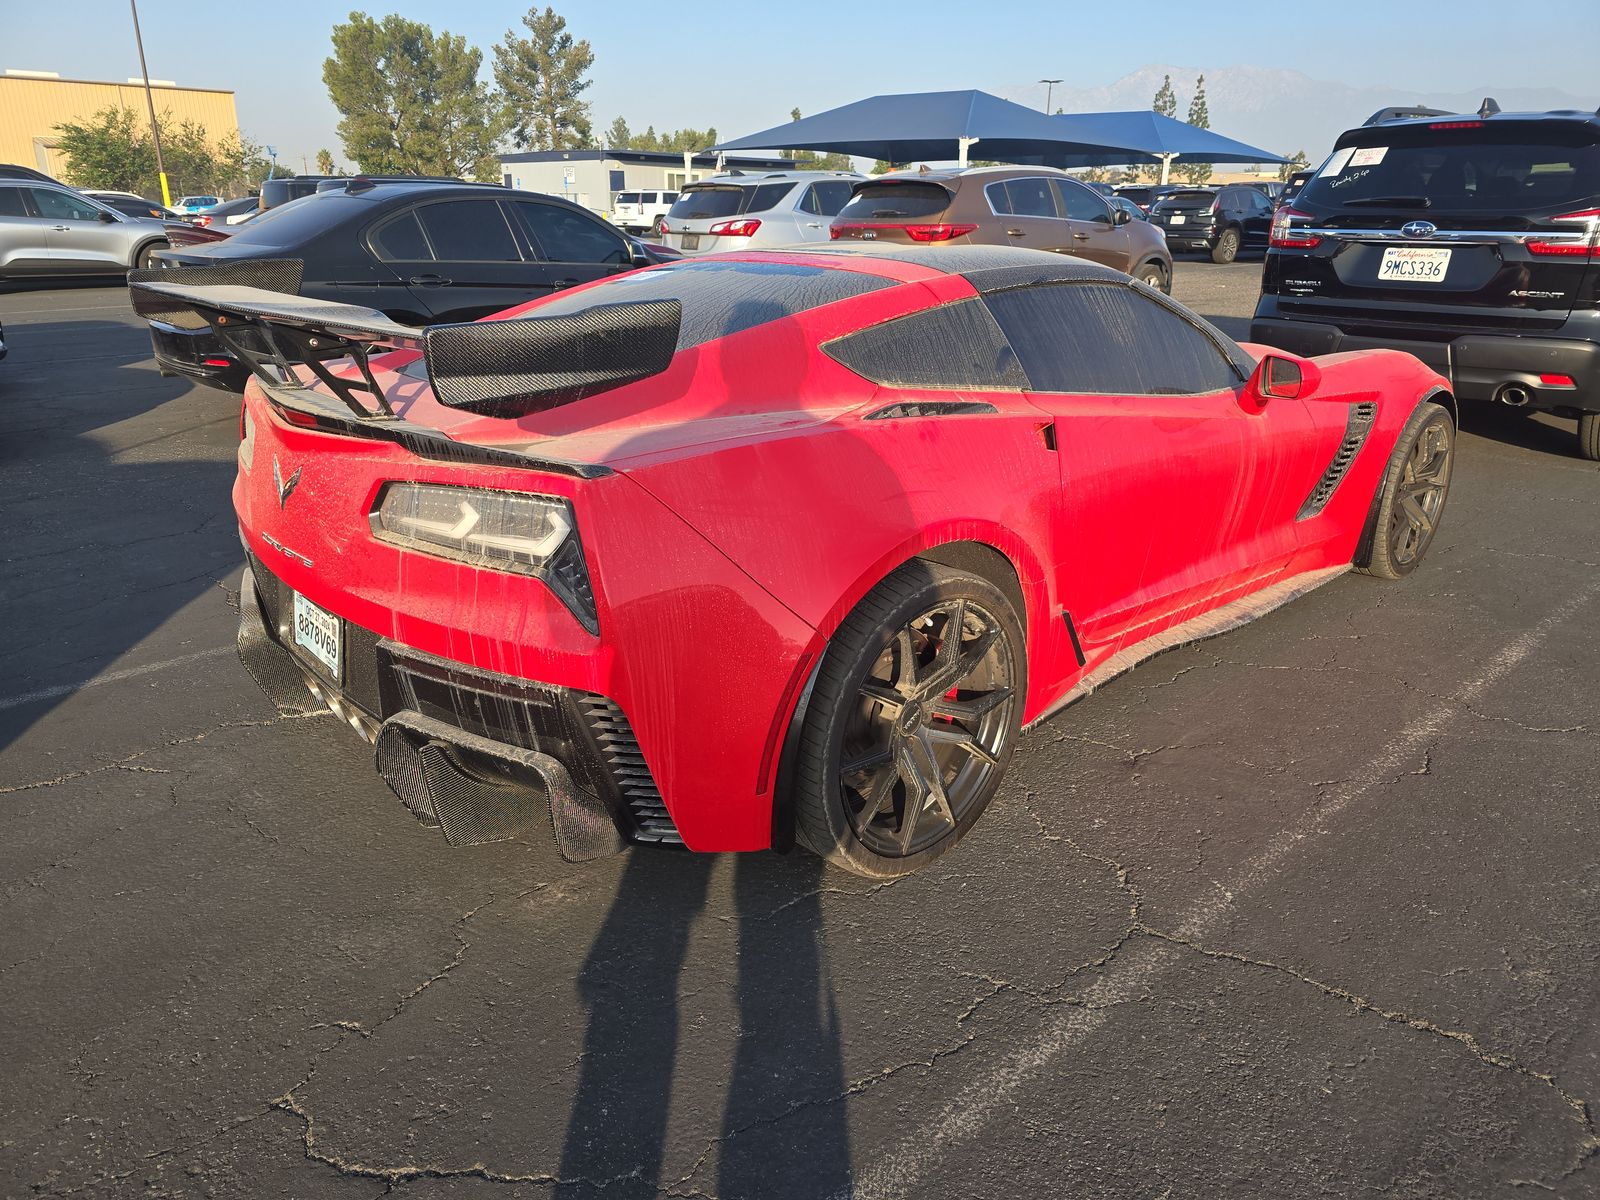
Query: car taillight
x=1563, y=249
x=734, y=229
x=1456, y=125
x=1581, y=218
x=937, y=233
x=664, y=229
x=1286, y=238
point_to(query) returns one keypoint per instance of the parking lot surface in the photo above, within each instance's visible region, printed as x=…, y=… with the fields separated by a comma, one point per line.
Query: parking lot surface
x=1311, y=909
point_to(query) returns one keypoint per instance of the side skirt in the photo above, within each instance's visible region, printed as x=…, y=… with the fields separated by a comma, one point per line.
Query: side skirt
x=1196, y=629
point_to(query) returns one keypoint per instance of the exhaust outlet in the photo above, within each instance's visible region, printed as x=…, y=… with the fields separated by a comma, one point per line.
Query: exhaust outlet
x=1514, y=394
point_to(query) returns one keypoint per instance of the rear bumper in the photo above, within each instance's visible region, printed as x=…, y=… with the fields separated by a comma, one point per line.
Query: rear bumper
x=482, y=757
x=1189, y=237
x=185, y=351
x=1478, y=366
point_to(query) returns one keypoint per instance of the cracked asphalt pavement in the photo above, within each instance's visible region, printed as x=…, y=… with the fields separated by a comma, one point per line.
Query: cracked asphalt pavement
x=1310, y=909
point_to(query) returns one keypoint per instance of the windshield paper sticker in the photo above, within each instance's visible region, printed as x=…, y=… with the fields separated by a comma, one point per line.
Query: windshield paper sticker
x=1337, y=163
x=1368, y=156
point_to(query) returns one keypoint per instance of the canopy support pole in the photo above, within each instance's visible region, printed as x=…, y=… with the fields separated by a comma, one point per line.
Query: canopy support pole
x=962, y=143
x=1166, y=166
x=688, y=165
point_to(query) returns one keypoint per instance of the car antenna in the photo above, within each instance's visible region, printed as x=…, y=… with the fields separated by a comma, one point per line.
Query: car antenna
x=1488, y=109
x=924, y=170
x=360, y=184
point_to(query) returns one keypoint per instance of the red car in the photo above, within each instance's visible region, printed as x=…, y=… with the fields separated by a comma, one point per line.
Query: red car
x=778, y=545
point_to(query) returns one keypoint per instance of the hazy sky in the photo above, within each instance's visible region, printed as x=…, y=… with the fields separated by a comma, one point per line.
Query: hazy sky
x=742, y=67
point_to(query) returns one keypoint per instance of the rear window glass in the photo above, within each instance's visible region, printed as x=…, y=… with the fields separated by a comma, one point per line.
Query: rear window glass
x=888, y=201
x=1188, y=199
x=956, y=347
x=1467, y=171
x=728, y=200
x=627, y=197
x=401, y=240
x=721, y=298
x=11, y=202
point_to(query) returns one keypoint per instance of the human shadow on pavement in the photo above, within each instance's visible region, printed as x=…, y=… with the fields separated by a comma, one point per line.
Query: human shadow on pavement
x=787, y=1061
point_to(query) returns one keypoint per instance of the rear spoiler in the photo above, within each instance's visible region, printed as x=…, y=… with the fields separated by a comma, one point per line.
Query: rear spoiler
x=498, y=368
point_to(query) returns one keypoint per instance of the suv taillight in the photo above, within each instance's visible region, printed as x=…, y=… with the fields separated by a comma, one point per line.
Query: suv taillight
x=941, y=232
x=1578, y=249
x=734, y=229
x=1284, y=238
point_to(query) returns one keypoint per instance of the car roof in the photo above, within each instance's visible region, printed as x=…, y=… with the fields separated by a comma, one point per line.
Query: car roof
x=752, y=179
x=1489, y=115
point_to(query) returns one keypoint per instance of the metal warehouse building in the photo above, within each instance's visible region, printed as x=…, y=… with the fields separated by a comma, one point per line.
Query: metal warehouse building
x=593, y=178
x=33, y=103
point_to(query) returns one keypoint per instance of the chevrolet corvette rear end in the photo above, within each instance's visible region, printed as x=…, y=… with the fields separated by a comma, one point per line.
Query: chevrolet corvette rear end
x=778, y=546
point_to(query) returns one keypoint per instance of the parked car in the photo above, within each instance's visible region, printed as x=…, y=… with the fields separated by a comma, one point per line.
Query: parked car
x=193, y=205
x=285, y=188
x=422, y=252
x=1292, y=188
x=49, y=229
x=1222, y=221
x=640, y=212
x=1146, y=194
x=17, y=171
x=1471, y=241
x=1037, y=208
x=1270, y=188
x=687, y=557
x=1134, y=212
x=741, y=212
x=1105, y=189
x=132, y=205
x=231, y=212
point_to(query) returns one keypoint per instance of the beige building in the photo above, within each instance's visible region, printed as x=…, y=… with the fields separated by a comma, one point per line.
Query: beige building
x=33, y=103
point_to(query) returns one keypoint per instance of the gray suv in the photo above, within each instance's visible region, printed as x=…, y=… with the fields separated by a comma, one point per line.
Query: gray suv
x=752, y=212
x=48, y=229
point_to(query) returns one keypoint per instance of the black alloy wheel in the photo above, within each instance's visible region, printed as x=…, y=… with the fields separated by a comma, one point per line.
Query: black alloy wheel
x=1411, y=502
x=912, y=721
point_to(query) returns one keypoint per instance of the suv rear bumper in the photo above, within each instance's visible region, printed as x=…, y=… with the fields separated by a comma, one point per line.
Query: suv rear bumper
x=1479, y=366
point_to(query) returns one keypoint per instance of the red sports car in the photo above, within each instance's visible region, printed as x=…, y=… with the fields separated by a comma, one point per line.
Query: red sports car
x=786, y=545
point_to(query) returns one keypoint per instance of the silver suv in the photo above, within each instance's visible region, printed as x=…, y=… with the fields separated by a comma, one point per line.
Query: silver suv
x=49, y=229
x=738, y=212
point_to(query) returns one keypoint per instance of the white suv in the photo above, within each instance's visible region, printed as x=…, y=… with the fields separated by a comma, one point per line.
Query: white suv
x=641, y=212
x=733, y=212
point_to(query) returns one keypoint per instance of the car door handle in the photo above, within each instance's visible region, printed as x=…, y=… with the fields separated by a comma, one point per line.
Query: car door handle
x=1015, y=233
x=62, y=228
x=1080, y=237
x=566, y=283
x=813, y=224
x=428, y=281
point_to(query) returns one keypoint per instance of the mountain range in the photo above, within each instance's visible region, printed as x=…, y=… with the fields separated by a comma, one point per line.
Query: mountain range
x=1280, y=109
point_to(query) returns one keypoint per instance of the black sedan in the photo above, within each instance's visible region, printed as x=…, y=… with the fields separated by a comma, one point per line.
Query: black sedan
x=423, y=253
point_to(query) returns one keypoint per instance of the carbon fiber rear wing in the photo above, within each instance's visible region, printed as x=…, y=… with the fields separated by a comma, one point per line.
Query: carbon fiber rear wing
x=498, y=368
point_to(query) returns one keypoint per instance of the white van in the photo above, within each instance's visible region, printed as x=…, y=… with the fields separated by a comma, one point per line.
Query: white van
x=641, y=212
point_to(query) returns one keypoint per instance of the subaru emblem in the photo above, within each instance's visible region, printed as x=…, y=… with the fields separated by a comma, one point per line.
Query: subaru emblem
x=1419, y=229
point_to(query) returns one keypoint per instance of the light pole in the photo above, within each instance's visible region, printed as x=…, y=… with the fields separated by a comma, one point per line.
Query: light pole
x=1050, y=85
x=155, y=130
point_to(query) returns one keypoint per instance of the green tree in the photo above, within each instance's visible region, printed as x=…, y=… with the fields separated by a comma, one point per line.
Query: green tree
x=324, y=162
x=409, y=100
x=113, y=150
x=619, y=136
x=1200, y=117
x=541, y=79
x=1298, y=162
x=1166, y=101
x=879, y=167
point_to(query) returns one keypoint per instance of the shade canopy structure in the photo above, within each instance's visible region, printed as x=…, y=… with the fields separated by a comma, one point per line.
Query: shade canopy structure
x=932, y=127
x=1146, y=136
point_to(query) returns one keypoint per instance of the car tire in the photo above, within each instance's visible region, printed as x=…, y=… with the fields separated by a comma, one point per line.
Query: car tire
x=146, y=256
x=660, y=227
x=1589, y=436
x=884, y=712
x=1411, y=499
x=1227, y=247
x=1153, y=274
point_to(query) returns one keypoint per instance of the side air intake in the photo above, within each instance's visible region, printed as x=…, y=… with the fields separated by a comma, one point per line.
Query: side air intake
x=1358, y=424
x=647, y=812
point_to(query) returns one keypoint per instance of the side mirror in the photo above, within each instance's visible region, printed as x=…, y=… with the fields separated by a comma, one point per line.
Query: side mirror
x=1120, y=216
x=1279, y=377
x=639, y=256
x=106, y=218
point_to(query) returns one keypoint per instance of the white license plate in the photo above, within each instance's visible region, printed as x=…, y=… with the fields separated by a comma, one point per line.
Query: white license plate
x=691, y=241
x=1177, y=220
x=316, y=630
x=1413, y=264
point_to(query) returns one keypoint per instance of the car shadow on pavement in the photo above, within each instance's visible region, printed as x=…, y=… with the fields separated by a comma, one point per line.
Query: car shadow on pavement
x=114, y=525
x=1521, y=427
x=788, y=1056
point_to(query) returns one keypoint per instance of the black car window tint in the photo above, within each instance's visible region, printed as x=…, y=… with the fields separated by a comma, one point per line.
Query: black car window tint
x=562, y=235
x=880, y=201
x=401, y=240
x=955, y=347
x=62, y=207
x=833, y=196
x=1107, y=338
x=468, y=231
x=1031, y=197
x=767, y=196
x=11, y=203
x=1080, y=203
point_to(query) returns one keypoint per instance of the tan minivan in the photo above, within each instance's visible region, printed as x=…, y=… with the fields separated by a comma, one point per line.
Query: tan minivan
x=1037, y=207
